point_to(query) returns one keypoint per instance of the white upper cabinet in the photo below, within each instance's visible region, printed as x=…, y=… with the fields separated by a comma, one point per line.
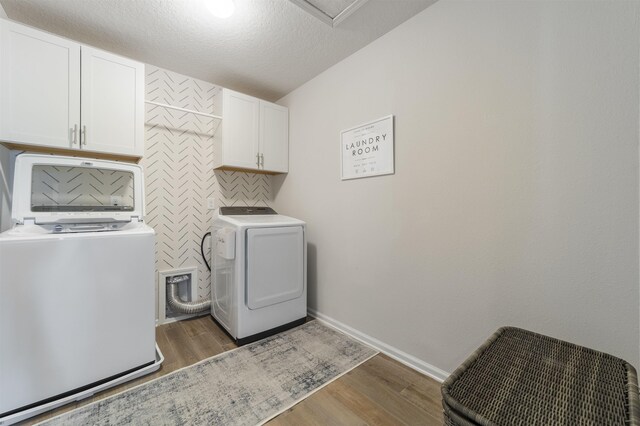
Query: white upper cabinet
x=39, y=87
x=274, y=137
x=56, y=93
x=112, y=103
x=255, y=135
x=240, y=130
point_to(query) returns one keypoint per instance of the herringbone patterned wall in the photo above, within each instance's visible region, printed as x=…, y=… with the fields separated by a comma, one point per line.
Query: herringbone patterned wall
x=179, y=176
x=79, y=186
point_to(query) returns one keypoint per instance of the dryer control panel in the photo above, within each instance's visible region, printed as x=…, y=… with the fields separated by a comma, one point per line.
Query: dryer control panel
x=244, y=211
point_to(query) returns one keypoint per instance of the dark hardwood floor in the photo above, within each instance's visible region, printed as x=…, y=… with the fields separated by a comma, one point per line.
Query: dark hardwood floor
x=381, y=391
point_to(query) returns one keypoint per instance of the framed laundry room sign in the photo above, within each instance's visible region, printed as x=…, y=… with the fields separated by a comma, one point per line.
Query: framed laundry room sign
x=367, y=150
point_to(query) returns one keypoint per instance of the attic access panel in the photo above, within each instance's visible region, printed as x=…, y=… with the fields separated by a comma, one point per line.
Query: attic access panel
x=331, y=12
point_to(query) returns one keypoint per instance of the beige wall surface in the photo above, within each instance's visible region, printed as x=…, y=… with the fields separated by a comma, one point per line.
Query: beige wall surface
x=515, y=197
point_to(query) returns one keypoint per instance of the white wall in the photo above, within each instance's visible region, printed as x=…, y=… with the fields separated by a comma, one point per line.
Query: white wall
x=515, y=197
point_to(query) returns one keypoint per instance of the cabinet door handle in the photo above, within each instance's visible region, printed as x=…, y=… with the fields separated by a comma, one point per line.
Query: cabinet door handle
x=258, y=159
x=262, y=159
x=83, y=136
x=73, y=134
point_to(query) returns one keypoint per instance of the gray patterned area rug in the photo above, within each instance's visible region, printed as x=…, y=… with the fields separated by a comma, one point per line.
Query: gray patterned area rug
x=245, y=386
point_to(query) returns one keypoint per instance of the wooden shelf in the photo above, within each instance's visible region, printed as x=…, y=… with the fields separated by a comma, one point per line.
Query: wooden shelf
x=70, y=152
x=240, y=169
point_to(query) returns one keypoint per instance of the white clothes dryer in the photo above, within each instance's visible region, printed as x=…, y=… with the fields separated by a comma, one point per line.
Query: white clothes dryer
x=259, y=272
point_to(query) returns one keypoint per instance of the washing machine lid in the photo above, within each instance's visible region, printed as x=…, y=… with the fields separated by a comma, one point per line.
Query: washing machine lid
x=56, y=189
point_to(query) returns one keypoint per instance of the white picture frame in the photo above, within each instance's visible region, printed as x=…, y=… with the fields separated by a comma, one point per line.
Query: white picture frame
x=368, y=150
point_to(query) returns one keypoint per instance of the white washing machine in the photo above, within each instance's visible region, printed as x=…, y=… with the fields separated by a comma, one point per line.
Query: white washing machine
x=259, y=272
x=77, y=312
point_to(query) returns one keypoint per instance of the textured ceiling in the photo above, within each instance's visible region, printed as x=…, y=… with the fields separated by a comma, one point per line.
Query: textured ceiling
x=267, y=48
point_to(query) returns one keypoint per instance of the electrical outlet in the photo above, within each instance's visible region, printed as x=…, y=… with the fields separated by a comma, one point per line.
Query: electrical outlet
x=211, y=203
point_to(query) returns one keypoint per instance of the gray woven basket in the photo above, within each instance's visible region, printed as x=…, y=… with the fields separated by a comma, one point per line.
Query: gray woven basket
x=522, y=378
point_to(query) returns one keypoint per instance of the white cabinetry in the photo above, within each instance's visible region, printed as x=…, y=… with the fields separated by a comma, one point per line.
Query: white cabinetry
x=45, y=102
x=112, y=103
x=39, y=87
x=274, y=137
x=240, y=130
x=255, y=135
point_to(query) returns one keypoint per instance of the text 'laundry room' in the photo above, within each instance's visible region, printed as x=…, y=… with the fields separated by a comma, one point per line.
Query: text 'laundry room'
x=319, y=212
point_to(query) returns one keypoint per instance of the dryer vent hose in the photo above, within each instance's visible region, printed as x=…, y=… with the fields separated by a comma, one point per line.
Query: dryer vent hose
x=179, y=305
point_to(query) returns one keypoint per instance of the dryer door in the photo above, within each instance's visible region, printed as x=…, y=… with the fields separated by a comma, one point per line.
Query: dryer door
x=275, y=265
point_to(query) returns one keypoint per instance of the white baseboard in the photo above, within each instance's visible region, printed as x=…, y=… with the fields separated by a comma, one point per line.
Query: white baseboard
x=395, y=353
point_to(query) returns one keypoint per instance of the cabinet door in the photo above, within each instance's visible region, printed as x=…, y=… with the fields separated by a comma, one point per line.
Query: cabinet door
x=39, y=87
x=274, y=137
x=240, y=130
x=112, y=103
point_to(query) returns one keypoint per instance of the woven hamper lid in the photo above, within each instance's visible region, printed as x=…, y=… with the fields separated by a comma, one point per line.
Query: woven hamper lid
x=522, y=378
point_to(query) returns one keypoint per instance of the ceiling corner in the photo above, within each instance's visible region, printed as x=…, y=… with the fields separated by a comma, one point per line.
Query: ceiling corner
x=320, y=9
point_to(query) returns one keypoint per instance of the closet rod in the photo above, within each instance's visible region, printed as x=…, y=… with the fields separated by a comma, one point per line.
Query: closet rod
x=183, y=109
